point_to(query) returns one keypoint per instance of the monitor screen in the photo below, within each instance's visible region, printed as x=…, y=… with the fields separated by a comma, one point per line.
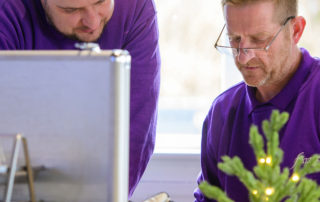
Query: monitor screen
x=73, y=109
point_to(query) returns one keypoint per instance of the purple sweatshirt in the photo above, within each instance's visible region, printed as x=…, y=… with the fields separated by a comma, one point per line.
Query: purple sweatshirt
x=133, y=27
x=226, y=127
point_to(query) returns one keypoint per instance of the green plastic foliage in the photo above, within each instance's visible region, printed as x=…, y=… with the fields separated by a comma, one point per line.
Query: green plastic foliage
x=235, y=166
x=256, y=141
x=267, y=182
x=214, y=192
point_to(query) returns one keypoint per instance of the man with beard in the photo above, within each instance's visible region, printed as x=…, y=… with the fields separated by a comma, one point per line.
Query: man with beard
x=120, y=24
x=262, y=37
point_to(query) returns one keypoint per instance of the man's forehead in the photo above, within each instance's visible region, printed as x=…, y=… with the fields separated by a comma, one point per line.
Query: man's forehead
x=250, y=17
x=250, y=27
x=258, y=11
x=74, y=3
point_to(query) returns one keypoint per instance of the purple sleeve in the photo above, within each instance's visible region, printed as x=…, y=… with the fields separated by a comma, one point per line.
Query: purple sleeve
x=142, y=44
x=7, y=28
x=3, y=42
x=14, y=25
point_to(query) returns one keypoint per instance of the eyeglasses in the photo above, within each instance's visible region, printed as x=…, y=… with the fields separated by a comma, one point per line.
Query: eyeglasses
x=235, y=51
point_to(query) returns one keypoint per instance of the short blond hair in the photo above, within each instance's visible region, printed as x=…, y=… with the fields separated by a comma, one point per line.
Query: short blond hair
x=284, y=8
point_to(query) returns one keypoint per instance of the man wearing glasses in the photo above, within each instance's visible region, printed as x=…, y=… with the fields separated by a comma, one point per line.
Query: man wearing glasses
x=262, y=38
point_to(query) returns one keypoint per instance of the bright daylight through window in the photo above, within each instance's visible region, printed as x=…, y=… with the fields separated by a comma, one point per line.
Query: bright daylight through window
x=194, y=73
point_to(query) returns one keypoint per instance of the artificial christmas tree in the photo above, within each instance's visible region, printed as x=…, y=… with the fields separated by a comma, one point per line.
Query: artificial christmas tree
x=268, y=182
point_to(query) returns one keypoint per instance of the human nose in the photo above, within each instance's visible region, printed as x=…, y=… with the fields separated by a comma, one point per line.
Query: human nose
x=244, y=55
x=91, y=18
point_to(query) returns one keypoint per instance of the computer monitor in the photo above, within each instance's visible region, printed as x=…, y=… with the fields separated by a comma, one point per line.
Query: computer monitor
x=73, y=109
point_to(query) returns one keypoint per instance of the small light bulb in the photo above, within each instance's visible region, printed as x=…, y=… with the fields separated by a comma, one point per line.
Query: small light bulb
x=254, y=192
x=262, y=160
x=268, y=160
x=295, y=177
x=269, y=191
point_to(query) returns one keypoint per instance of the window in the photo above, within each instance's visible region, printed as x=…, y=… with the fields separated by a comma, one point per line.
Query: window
x=191, y=71
x=194, y=73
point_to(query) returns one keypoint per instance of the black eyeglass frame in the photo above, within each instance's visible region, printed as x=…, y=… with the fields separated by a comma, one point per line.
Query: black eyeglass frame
x=266, y=48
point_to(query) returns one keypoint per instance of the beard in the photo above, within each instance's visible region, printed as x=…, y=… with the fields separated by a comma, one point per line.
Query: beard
x=254, y=79
x=73, y=35
x=270, y=72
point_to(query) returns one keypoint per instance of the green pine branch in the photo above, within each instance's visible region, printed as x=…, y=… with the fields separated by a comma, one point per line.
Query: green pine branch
x=267, y=182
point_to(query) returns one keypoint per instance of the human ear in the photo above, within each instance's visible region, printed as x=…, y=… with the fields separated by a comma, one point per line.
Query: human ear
x=299, y=24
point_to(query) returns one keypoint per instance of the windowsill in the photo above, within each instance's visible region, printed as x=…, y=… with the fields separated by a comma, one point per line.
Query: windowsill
x=168, y=144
